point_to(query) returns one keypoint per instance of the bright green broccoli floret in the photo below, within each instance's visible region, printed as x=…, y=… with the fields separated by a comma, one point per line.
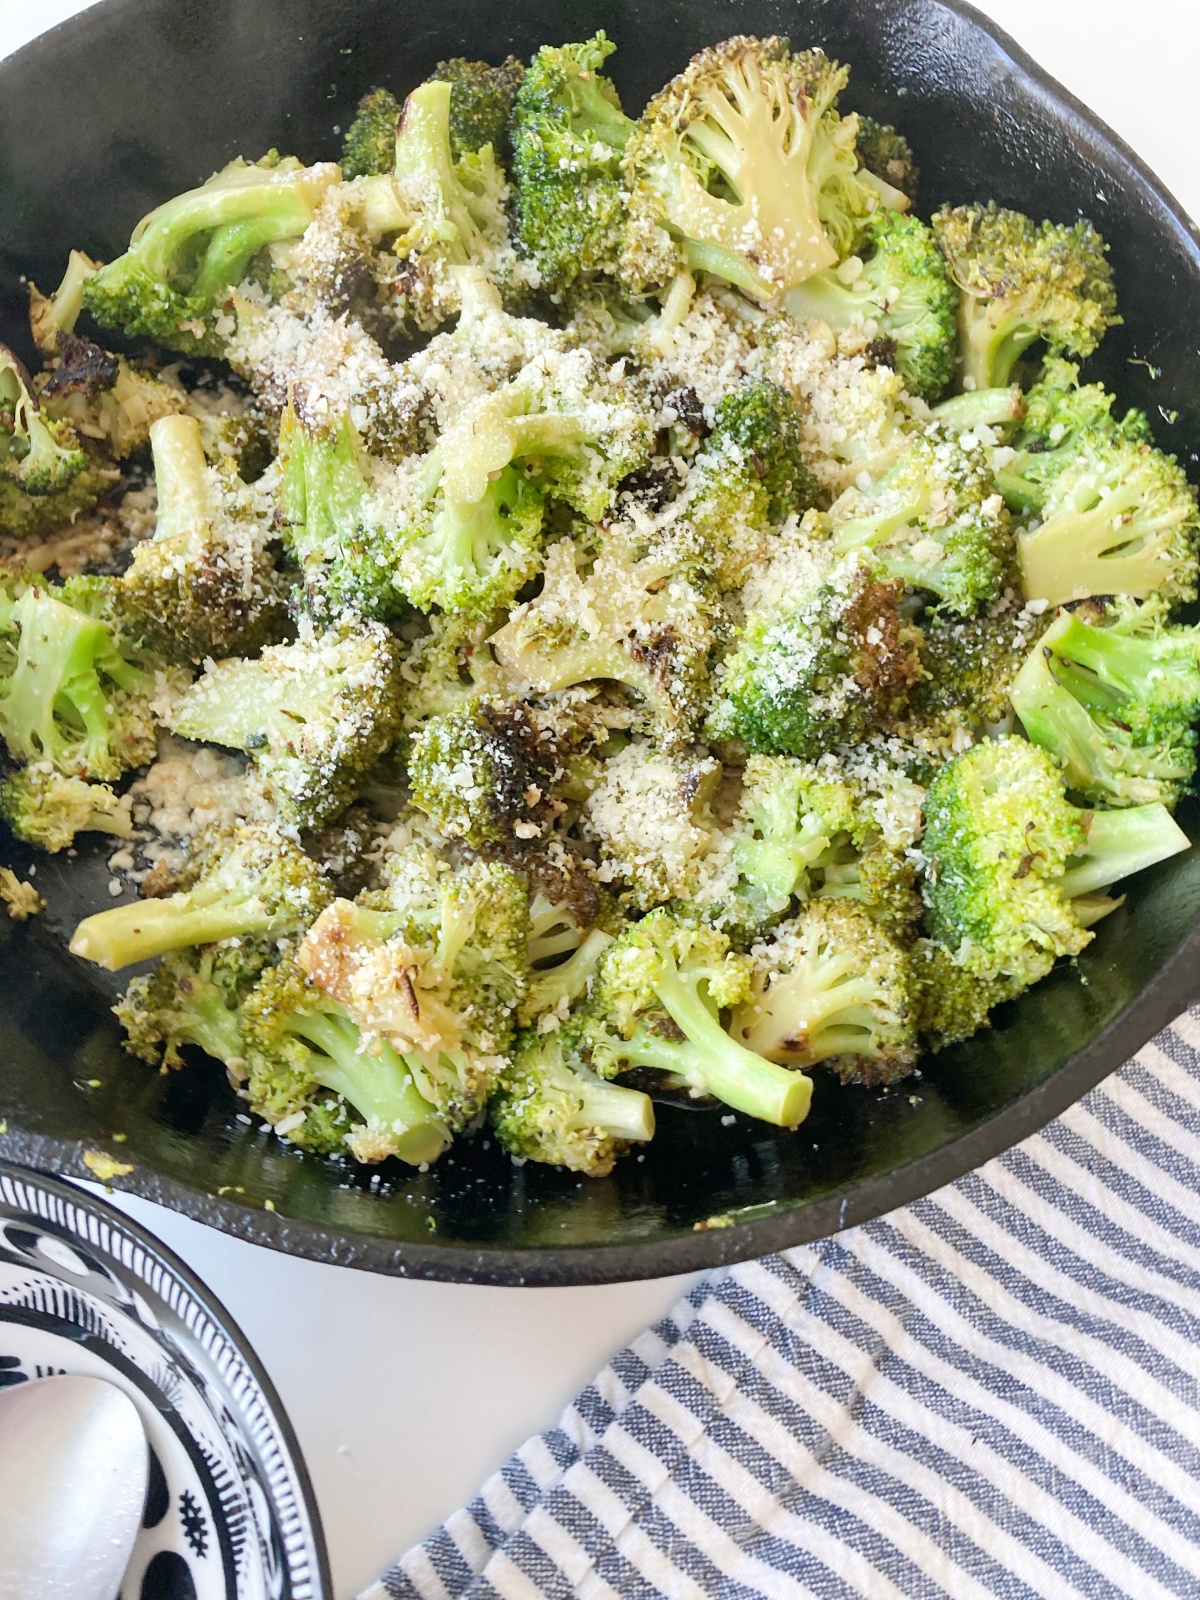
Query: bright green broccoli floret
x=1022, y=281
x=1121, y=519
x=299, y=1042
x=656, y=1003
x=48, y=810
x=46, y=476
x=315, y=715
x=903, y=288
x=936, y=522
x=481, y=99
x=186, y=256
x=568, y=133
x=205, y=584
x=823, y=669
x=240, y=882
x=832, y=986
x=630, y=620
x=192, y=997
x=69, y=696
x=1115, y=706
x=369, y=147
x=998, y=835
x=551, y=1108
x=888, y=154
x=741, y=167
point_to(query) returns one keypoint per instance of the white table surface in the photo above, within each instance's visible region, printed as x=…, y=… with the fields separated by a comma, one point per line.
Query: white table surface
x=406, y=1395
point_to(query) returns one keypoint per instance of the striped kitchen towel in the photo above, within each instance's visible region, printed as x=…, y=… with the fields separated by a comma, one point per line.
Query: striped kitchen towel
x=994, y=1392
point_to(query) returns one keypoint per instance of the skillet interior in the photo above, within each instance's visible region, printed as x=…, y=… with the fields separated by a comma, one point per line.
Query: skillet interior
x=136, y=100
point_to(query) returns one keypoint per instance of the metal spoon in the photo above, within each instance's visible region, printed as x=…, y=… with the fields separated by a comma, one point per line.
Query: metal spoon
x=73, y=1469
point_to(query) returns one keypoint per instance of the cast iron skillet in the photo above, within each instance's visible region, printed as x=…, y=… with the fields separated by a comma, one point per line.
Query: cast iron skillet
x=137, y=99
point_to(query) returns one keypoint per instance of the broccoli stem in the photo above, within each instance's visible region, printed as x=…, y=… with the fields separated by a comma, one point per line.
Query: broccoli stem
x=181, y=474
x=1117, y=667
x=619, y=1112
x=1120, y=843
x=379, y=1086
x=55, y=676
x=282, y=206
x=718, y=1064
x=569, y=978
x=990, y=408
x=210, y=1024
x=117, y=938
x=991, y=342
x=231, y=250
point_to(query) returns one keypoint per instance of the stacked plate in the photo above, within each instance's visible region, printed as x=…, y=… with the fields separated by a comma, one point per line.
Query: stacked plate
x=229, y=1513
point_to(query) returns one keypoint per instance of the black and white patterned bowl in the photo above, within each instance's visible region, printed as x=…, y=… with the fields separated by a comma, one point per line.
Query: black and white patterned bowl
x=229, y=1512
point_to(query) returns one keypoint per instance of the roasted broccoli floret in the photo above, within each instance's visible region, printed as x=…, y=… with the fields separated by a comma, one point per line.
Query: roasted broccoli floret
x=823, y=669
x=192, y=997
x=742, y=167
x=888, y=154
x=936, y=522
x=187, y=256
x=300, y=1042
x=551, y=1108
x=369, y=146
x=52, y=316
x=650, y=812
x=898, y=283
x=630, y=620
x=315, y=715
x=568, y=134
x=1115, y=705
x=1121, y=519
x=563, y=957
x=758, y=420
x=952, y=1003
x=1060, y=417
x=832, y=986
x=998, y=834
x=206, y=583
x=47, y=809
x=240, y=882
x=69, y=697
x=1022, y=281
x=969, y=664
x=484, y=773
x=656, y=1003
x=46, y=476
x=481, y=100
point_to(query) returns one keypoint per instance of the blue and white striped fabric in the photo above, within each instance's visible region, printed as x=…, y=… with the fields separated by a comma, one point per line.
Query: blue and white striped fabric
x=995, y=1392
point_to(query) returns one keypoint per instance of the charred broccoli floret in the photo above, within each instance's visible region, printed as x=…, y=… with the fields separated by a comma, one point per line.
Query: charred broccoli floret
x=742, y=167
x=1115, y=705
x=936, y=522
x=656, y=1003
x=47, y=809
x=240, y=882
x=369, y=146
x=568, y=135
x=481, y=101
x=898, y=283
x=823, y=669
x=1022, y=281
x=831, y=986
x=969, y=664
x=483, y=773
x=888, y=154
x=300, y=1042
x=630, y=620
x=46, y=476
x=315, y=715
x=188, y=255
x=551, y=1108
x=206, y=583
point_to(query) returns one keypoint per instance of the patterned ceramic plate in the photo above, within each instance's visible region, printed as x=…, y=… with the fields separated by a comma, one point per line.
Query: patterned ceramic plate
x=229, y=1512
